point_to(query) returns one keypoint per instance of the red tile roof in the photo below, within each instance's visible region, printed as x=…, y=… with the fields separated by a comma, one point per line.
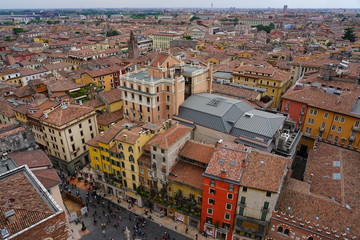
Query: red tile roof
x=170, y=136
x=35, y=158
x=197, y=151
x=188, y=174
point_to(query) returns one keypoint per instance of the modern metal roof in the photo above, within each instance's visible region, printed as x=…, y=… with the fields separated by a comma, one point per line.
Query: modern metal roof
x=231, y=116
x=219, y=113
x=260, y=122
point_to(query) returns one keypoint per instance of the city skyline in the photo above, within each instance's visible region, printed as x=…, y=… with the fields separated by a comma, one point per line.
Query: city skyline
x=36, y=4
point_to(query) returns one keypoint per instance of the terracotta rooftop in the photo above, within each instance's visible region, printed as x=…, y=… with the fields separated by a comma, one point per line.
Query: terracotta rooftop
x=94, y=103
x=30, y=201
x=129, y=135
x=188, y=174
x=144, y=159
x=60, y=116
x=335, y=174
x=6, y=109
x=109, y=134
x=234, y=90
x=315, y=210
x=227, y=163
x=317, y=97
x=48, y=177
x=35, y=158
x=170, y=136
x=111, y=96
x=264, y=171
x=197, y=151
x=106, y=118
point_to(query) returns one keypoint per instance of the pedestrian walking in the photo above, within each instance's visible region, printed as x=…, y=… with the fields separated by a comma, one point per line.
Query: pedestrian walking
x=186, y=230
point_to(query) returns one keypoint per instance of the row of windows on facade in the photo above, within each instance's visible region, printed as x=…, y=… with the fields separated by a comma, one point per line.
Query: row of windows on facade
x=244, y=189
x=141, y=109
x=146, y=89
x=261, y=81
x=120, y=156
x=168, y=97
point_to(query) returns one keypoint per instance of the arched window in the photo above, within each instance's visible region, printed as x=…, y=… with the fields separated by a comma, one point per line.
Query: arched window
x=124, y=174
x=131, y=149
x=287, y=231
x=120, y=146
x=121, y=155
x=131, y=158
x=280, y=229
x=168, y=98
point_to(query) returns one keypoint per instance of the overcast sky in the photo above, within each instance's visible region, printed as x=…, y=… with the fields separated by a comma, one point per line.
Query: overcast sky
x=12, y=4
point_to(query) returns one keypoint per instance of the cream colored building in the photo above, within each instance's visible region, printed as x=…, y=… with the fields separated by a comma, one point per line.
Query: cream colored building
x=261, y=183
x=61, y=130
x=161, y=40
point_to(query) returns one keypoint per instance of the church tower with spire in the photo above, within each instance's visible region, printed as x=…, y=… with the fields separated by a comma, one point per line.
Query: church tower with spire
x=133, y=46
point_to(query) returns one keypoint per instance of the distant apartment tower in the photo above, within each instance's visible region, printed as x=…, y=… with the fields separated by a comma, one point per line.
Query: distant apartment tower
x=285, y=8
x=133, y=46
x=154, y=94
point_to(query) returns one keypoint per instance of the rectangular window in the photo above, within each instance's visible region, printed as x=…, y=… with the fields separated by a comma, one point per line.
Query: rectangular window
x=211, y=201
x=333, y=128
x=242, y=200
x=227, y=216
x=266, y=206
x=241, y=211
x=310, y=121
x=69, y=130
x=228, y=206
x=80, y=125
x=71, y=138
x=268, y=194
x=308, y=130
x=357, y=123
x=339, y=129
x=336, y=118
x=210, y=211
x=231, y=187
x=263, y=216
x=244, y=189
x=326, y=115
x=342, y=120
x=230, y=196
x=212, y=182
x=212, y=191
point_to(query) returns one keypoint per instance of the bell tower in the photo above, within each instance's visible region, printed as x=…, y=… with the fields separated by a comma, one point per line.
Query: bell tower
x=132, y=46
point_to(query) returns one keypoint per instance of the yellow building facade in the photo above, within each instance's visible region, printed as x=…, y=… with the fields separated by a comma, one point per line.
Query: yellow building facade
x=336, y=128
x=114, y=156
x=275, y=81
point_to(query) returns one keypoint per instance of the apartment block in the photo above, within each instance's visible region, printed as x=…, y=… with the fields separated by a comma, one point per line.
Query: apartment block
x=154, y=94
x=61, y=130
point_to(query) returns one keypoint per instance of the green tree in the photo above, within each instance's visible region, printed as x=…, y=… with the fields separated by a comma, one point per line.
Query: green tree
x=187, y=37
x=18, y=30
x=111, y=33
x=349, y=34
x=194, y=18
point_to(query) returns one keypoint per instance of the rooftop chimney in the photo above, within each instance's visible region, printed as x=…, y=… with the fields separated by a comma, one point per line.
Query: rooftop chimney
x=46, y=115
